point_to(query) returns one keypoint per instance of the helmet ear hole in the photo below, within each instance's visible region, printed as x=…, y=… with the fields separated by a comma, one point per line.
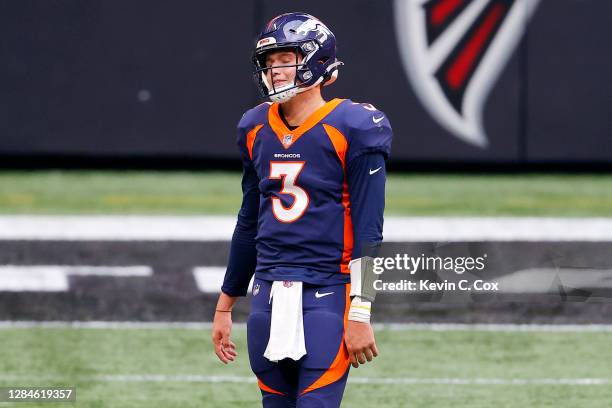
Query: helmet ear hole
x=332, y=78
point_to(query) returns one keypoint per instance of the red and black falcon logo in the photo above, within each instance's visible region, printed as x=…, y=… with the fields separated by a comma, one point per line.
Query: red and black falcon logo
x=454, y=50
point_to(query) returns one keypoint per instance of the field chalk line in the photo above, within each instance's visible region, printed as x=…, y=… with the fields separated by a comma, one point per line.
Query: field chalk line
x=213, y=379
x=220, y=228
x=443, y=327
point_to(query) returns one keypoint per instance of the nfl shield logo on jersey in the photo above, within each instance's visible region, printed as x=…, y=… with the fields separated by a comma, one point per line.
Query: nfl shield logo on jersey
x=256, y=289
x=287, y=284
x=287, y=140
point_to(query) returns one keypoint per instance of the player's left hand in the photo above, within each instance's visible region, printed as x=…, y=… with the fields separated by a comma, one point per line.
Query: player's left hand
x=360, y=342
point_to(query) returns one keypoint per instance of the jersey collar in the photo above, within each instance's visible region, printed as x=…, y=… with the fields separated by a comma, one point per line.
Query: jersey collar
x=288, y=137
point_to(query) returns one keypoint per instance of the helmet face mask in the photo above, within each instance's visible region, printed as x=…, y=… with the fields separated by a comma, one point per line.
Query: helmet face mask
x=305, y=36
x=265, y=74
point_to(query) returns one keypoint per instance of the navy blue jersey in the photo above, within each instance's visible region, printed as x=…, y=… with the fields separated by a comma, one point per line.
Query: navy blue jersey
x=301, y=180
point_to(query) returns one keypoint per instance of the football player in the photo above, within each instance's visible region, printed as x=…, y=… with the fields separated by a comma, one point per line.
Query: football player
x=311, y=219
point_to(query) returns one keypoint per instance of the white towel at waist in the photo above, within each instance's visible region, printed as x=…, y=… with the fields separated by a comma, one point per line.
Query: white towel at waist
x=287, y=325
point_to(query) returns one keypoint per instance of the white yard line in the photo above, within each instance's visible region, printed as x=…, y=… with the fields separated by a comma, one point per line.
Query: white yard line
x=116, y=228
x=220, y=228
x=209, y=279
x=492, y=327
x=196, y=378
x=444, y=327
x=54, y=278
x=104, y=325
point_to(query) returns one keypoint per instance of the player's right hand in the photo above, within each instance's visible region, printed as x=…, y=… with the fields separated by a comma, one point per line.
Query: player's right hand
x=225, y=349
x=360, y=342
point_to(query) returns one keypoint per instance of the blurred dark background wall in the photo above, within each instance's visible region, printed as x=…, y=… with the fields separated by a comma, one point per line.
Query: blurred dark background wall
x=157, y=80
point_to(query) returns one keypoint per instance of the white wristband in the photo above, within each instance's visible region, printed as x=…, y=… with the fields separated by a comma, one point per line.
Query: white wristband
x=360, y=310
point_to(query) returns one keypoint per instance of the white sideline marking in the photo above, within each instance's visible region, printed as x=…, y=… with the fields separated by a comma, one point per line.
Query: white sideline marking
x=500, y=327
x=220, y=228
x=458, y=229
x=543, y=280
x=54, y=278
x=118, y=271
x=210, y=278
x=196, y=378
x=116, y=228
x=104, y=325
x=36, y=279
x=442, y=327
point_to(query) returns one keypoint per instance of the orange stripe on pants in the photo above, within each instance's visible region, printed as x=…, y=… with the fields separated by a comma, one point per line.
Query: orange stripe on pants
x=341, y=362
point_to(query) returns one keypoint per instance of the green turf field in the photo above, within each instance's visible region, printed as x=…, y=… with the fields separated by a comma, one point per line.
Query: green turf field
x=93, y=359
x=55, y=192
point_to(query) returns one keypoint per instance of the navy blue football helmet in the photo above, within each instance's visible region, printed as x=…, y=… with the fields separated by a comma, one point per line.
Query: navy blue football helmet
x=304, y=34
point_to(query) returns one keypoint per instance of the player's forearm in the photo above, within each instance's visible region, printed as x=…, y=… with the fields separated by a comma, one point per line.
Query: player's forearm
x=367, y=192
x=241, y=266
x=225, y=303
